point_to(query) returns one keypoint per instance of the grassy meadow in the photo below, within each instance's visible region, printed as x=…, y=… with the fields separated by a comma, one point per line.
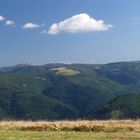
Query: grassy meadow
x=70, y=130
x=65, y=71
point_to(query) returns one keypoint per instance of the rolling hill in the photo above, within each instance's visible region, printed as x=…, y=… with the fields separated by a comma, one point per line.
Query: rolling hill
x=121, y=107
x=67, y=91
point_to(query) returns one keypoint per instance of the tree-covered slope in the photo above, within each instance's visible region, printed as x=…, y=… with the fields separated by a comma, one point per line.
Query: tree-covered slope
x=122, y=107
x=63, y=91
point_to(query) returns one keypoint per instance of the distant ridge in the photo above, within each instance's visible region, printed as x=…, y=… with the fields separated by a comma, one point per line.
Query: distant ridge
x=70, y=91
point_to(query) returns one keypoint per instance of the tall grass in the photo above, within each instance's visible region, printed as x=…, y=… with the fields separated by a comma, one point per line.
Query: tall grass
x=83, y=126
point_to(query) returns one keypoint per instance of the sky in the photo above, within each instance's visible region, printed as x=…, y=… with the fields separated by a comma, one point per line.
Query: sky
x=69, y=31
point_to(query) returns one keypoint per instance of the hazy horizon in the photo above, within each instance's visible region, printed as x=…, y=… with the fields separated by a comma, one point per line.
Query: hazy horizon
x=67, y=63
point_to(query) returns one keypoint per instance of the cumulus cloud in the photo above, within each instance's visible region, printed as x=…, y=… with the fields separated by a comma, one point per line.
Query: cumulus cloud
x=2, y=18
x=79, y=23
x=10, y=23
x=30, y=26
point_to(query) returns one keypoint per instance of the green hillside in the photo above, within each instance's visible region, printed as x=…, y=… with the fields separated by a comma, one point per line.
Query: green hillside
x=122, y=107
x=64, y=91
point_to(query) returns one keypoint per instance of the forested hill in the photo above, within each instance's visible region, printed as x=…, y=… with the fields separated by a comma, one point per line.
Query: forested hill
x=69, y=91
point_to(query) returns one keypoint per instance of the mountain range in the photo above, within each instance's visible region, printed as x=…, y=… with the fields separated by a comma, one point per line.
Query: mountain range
x=70, y=91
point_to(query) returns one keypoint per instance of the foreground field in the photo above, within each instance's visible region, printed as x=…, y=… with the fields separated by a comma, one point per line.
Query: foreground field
x=70, y=130
x=61, y=135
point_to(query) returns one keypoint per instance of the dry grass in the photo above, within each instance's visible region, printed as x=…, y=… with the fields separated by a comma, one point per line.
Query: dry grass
x=83, y=126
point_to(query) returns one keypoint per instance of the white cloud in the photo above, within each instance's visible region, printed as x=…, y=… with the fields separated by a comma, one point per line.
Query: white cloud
x=30, y=26
x=10, y=23
x=79, y=23
x=2, y=18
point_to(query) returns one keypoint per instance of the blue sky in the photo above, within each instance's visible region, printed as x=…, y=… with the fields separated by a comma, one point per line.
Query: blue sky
x=69, y=31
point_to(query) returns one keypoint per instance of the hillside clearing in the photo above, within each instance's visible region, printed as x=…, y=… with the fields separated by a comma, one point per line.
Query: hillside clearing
x=65, y=71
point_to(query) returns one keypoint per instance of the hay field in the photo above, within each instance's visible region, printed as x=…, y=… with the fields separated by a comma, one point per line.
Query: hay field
x=70, y=130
